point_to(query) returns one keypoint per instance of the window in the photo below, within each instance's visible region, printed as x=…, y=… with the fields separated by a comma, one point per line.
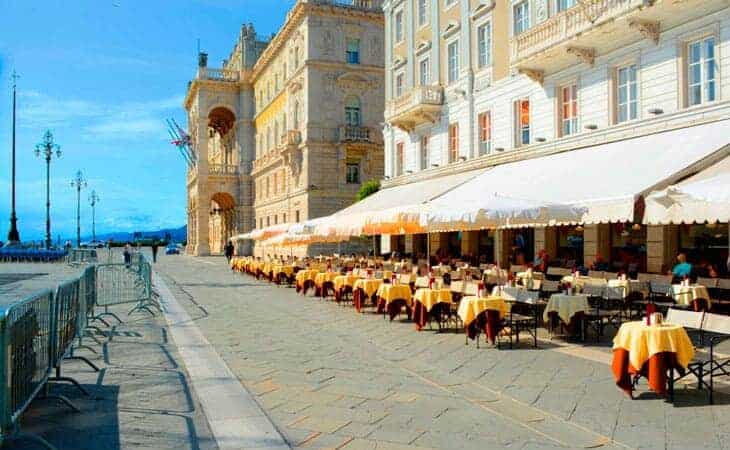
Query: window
x=422, y=12
x=399, y=84
x=283, y=218
x=424, y=152
x=521, y=17
x=522, y=116
x=261, y=222
x=568, y=110
x=352, y=174
x=353, y=51
x=453, y=142
x=268, y=220
x=626, y=94
x=701, y=71
x=276, y=184
x=268, y=186
x=296, y=215
x=424, y=72
x=565, y=4
x=484, y=45
x=398, y=26
x=276, y=219
x=352, y=111
x=485, y=133
x=398, y=158
x=453, y=61
x=448, y=3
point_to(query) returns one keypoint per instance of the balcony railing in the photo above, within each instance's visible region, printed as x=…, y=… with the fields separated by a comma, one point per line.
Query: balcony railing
x=367, y=5
x=207, y=73
x=223, y=169
x=569, y=24
x=349, y=133
x=418, y=105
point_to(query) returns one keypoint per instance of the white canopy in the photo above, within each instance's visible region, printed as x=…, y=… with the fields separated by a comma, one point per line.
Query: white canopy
x=241, y=237
x=596, y=184
x=703, y=197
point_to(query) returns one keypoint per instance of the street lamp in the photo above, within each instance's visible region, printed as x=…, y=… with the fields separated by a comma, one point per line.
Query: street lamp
x=93, y=200
x=46, y=149
x=13, y=235
x=78, y=183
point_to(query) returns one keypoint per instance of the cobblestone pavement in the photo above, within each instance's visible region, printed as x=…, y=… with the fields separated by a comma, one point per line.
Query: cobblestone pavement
x=18, y=280
x=331, y=378
x=140, y=399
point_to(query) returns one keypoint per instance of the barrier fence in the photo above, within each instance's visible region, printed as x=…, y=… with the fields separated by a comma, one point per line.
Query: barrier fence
x=40, y=331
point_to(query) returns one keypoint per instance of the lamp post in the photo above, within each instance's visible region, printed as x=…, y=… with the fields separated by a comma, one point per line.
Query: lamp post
x=78, y=183
x=13, y=235
x=93, y=200
x=46, y=149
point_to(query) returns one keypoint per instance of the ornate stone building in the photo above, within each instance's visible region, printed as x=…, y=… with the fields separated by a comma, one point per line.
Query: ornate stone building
x=287, y=130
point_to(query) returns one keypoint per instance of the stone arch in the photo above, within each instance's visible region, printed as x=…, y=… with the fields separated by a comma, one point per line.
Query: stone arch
x=222, y=119
x=222, y=221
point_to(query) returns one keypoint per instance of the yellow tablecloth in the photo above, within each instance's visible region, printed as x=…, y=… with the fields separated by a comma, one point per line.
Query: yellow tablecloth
x=344, y=280
x=323, y=277
x=266, y=268
x=566, y=306
x=285, y=269
x=471, y=306
x=429, y=297
x=390, y=292
x=306, y=275
x=685, y=294
x=368, y=285
x=643, y=342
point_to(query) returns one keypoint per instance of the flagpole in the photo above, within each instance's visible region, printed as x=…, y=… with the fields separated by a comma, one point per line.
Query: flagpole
x=13, y=234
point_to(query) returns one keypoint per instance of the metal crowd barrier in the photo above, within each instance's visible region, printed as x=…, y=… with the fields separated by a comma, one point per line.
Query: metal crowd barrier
x=82, y=256
x=39, y=332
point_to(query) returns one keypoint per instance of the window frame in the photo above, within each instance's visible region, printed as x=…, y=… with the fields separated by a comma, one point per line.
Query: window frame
x=519, y=130
x=400, y=82
x=424, y=159
x=453, y=146
x=481, y=132
x=349, y=53
x=452, y=71
x=399, y=158
x=526, y=20
x=702, y=64
x=485, y=52
x=348, y=178
x=422, y=12
x=398, y=32
x=427, y=72
x=573, y=121
x=629, y=100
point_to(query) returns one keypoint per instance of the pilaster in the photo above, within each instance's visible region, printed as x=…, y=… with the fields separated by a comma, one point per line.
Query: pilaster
x=470, y=243
x=202, y=246
x=596, y=241
x=662, y=246
x=546, y=238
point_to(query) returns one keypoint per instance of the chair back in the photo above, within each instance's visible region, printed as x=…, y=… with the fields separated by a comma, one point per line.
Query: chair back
x=471, y=288
x=610, y=275
x=707, y=282
x=643, y=277
x=550, y=286
x=457, y=286
x=660, y=287
x=723, y=283
x=716, y=323
x=685, y=318
x=514, y=268
x=421, y=282
x=596, y=274
x=614, y=292
x=557, y=272
x=593, y=290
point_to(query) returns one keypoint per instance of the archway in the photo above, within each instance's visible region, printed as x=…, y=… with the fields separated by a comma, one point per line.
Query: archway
x=222, y=222
x=221, y=123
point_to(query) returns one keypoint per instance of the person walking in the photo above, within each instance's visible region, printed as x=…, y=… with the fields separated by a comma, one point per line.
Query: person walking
x=229, y=251
x=155, y=246
x=127, y=254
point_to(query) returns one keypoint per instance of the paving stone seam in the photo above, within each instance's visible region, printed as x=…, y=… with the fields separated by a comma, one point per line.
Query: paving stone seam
x=225, y=430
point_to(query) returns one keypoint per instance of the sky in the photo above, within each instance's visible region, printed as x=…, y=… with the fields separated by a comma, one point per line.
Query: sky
x=103, y=75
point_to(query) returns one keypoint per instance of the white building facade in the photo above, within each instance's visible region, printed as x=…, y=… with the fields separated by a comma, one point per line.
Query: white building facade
x=476, y=83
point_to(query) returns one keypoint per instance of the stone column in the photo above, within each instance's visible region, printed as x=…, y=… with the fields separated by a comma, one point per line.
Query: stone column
x=202, y=247
x=408, y=243
x=502, y=247
x=437, y=241
x=662, y=246
x=596, y=240
x=546, y=238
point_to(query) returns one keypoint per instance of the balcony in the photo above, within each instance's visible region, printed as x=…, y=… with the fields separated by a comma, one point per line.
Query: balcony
x=419, y=105
x=349, y=133
x=596, y=27
x=207, y=73
x=222, y=170
x=363, y=5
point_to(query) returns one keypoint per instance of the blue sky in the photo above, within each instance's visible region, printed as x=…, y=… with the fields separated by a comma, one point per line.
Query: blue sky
x=103, y=75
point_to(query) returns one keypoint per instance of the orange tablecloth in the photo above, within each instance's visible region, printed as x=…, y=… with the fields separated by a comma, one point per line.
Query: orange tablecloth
x=649, y=351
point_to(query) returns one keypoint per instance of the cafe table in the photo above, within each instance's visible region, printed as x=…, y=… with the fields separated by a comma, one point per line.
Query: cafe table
x=686, y=295
x=568, y=308
x=425, y=300
x=342, y=284
x=322, y=281
x=364, y=288
x=392, y=298
x=286, y=269
x=482, y=314
x=304, y=279
x=650, y=351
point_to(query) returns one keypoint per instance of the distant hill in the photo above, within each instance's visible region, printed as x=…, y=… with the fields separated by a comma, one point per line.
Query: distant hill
x=176, y=234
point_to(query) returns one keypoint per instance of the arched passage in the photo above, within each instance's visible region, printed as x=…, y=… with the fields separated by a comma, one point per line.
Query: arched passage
x=222, y=223
x=221, y=123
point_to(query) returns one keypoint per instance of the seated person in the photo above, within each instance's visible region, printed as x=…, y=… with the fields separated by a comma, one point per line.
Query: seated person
x=599, y=264
x=683, y=268
x=541, y=261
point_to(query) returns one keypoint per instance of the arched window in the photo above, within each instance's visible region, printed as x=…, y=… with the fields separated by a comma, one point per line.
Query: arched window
x=352, y=111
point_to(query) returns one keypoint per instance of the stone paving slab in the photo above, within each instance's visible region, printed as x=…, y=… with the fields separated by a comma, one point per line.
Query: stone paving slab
x=306, y=360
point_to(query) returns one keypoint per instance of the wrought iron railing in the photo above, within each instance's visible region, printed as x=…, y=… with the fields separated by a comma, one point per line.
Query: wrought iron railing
x=349, y=133
x=223, y=169
x=207, y=73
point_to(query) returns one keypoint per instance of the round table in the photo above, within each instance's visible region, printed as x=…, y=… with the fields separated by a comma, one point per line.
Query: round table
x=364, y=287
x=491, y=309
x=425, y=299
x=649, y=350
x=392, y=298
x=686, y=295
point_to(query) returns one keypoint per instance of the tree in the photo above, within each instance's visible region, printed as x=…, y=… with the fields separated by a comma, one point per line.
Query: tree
x=368, y=188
